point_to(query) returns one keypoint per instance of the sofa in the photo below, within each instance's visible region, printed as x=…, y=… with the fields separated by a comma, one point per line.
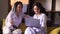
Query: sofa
x=50, y=30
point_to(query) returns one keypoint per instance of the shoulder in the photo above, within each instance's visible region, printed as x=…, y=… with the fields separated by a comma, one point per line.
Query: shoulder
x=34, y=15
x=43, y=14
x=10, y=15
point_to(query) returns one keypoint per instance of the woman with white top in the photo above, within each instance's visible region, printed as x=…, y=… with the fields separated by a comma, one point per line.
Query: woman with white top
x=39, y=14
x=13, y=19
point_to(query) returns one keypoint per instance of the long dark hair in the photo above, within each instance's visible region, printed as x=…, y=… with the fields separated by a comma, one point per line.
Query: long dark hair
x=17, y=3
x=31, y=12
x=42, y=9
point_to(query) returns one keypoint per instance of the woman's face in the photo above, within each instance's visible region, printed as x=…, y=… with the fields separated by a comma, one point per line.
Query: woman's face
x=36, y=10
x=19, y=8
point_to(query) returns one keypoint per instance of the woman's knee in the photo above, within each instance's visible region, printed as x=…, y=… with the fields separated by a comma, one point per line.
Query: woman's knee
x=6, y=30
x=17, y=31
x=28, y=30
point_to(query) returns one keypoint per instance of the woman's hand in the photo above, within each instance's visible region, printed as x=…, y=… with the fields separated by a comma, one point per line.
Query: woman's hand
x=11, y=22
x=27, y=16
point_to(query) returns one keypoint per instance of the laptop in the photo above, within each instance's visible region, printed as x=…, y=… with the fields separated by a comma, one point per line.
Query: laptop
x=30, y=21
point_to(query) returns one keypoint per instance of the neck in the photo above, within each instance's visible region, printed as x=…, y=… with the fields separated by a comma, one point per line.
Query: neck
x=38, y=14
x=18, y=11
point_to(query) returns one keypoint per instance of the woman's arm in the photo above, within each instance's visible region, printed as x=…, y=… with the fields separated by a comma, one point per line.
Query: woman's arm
x=44, y=20
x=9, y=21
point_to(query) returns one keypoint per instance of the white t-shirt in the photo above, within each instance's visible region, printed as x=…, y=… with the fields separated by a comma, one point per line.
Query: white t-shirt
x=43, y=20
x=13, y=18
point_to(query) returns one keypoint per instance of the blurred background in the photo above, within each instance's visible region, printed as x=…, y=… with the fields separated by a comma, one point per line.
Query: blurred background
x=52, y=10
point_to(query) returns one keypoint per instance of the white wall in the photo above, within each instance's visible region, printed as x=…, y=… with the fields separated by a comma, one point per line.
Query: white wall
x=25, y=3
x=46, y=4
x=57, y=5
